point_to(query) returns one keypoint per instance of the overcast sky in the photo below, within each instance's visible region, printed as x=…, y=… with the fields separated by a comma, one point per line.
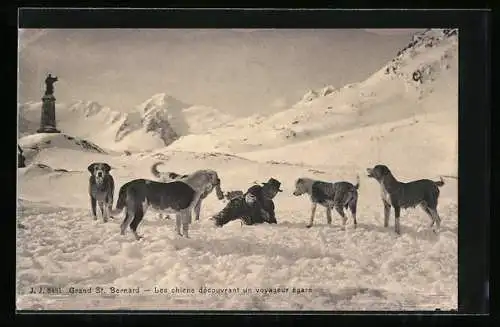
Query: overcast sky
x=236, y=71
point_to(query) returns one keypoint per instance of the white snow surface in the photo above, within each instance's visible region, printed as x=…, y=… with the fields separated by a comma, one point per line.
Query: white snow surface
x=335, y=135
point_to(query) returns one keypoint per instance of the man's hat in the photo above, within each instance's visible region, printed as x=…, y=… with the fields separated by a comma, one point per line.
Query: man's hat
x=273, y=183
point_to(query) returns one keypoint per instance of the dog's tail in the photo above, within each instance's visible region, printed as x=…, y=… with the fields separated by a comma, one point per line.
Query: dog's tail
x=356, y=186
x=122, y=197
x=440, y=182
x=154, y=169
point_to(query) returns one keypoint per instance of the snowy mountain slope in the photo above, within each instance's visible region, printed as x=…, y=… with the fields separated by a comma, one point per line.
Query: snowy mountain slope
x=412, y=128
x=428, y=141
x=154, y=123
x=381, y=98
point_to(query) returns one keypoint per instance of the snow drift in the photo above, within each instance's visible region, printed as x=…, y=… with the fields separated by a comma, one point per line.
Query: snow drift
x=32, y=145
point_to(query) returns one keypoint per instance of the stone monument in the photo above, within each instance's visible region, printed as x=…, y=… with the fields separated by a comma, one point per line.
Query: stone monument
x=48, y=117
x=21, y=159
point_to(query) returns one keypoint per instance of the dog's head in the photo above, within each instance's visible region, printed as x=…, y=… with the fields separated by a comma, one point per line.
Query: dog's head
x=215, y=182
x=300, y=187
x=378, y=172
x=99, y=170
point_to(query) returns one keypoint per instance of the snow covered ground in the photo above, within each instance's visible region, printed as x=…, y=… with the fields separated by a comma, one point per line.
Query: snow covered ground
x=388, y=119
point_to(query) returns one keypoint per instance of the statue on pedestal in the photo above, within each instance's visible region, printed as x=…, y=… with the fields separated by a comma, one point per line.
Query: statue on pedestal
x=49, y=84
x=21, y=159
x=48, y=117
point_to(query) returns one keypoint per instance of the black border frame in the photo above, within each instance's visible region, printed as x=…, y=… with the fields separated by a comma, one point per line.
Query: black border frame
x=474, y=119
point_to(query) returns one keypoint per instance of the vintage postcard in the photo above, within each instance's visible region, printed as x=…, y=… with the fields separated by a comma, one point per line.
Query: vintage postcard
x=237, y=169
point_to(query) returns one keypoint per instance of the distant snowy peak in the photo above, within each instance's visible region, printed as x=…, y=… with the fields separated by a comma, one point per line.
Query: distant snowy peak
x=202, y=119
x=169, y=118
x=156, y=122
x=88, y=108
x=161, y=102
x=94, y=111
x=154, y=116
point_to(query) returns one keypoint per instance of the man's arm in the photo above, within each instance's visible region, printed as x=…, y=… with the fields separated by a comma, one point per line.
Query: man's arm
x=255, y=190
x=254, y=194
x=269, y=208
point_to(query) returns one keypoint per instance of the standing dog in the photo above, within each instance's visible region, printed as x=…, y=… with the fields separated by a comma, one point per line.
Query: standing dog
x=101, y=189
x=202, y=181
x=138, y=195
x=423, y=192
x=337, y=195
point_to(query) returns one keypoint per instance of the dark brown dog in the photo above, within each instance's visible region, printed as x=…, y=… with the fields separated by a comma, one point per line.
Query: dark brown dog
x=138, y=195
x=101, y=189
x=423, y=192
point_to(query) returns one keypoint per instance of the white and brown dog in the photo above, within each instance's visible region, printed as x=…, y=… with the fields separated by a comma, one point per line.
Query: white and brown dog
x=202, y=181
x=101, y=189
x=339, y=196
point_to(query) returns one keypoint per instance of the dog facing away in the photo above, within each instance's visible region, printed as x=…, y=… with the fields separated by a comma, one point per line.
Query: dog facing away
x=101, y=189
x=202, y=181
x=337, y=195
x=423, y=193
x=138, y=195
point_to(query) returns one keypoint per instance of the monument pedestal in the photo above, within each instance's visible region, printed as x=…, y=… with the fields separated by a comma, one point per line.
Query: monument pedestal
x=48, y=118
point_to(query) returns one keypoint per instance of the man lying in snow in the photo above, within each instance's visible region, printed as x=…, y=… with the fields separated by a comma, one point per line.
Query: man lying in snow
x=256, y=206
